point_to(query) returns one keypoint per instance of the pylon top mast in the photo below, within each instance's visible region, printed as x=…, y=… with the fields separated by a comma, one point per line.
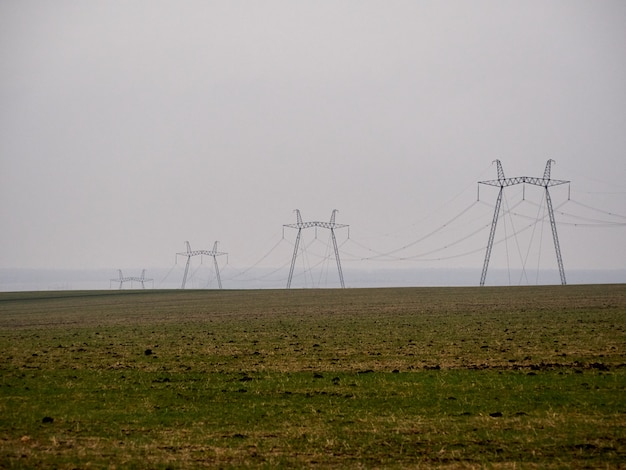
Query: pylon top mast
x=328, y=225
x=503, y=182
x=212, y=252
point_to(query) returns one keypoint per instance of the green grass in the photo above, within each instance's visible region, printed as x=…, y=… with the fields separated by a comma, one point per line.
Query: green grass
x=530, y=377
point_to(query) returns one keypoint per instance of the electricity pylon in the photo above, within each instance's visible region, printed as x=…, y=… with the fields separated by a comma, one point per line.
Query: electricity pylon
x=214, y=253
x=123, y=279
x=503, y=182
x=303, y=225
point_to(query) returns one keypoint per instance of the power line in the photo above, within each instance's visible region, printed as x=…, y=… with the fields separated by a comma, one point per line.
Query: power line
x=259, y=261
x=388, y=254
x=597, y=210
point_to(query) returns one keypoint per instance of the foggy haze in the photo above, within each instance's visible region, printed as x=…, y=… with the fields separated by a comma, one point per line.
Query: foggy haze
x=128, y=128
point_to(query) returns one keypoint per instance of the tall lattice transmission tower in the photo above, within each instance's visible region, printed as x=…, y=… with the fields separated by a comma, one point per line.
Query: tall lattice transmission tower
x=546, y=181
x=142, y=279
x=190, y=253
x=300, y=225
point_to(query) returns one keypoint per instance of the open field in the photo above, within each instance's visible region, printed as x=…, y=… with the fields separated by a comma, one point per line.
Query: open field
x=520, y=377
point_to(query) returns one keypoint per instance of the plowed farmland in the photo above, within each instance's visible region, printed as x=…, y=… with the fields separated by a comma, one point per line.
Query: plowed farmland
x=504, y=377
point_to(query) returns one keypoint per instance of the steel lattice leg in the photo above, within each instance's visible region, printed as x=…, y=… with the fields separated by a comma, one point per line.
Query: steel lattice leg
x=332, y=233
x=293, y=258
x=186, y=271
x=557, y=247
x=492, y=234
x=217, y=272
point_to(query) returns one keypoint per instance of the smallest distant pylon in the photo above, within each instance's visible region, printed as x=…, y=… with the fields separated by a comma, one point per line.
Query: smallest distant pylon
x=130, y=279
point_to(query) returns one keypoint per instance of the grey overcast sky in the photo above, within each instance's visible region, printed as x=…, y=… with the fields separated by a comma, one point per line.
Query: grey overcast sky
x=129, y=127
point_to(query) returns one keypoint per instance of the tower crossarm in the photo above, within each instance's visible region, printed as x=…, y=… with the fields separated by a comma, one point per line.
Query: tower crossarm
x=191, y=252
x=202, y=252
x=327, y=225
x=138, y=279
x=506, y=182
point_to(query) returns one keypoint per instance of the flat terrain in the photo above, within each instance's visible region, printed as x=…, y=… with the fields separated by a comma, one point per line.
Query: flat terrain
x=519, y=377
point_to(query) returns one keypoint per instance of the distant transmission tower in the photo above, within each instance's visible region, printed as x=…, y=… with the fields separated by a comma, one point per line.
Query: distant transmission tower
x=214, y=253
x=302, y=225
x=123, y=279
x=503, y=182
